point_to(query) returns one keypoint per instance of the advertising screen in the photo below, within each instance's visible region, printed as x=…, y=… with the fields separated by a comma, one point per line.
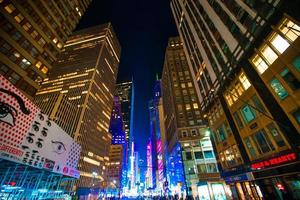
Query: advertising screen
x=29, y=137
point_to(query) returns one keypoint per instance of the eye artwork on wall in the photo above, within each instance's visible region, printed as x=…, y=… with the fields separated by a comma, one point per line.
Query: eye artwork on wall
x=29, y=137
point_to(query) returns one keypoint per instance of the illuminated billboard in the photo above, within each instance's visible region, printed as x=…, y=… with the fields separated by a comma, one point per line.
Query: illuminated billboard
x=29, y=137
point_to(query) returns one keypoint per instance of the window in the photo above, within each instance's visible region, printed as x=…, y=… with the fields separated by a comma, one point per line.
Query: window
x=276, y=135
x=5, y=48
x=269, y=54
x=278, y=89
x=238, y=120
x=296, y=115
x=238, y=87
x=221, y=134
x=290, y=79
x=228, y=99
x=27, y=26
x=16, y=36
x=3, y=69
x=195, y=105
x=262, y=141
x=182, y=85
x=290, y=29
x=250, y=147
x=198, y=154
x=190, y=84
x=187, y=107
x=247, y=113
x=34, y=34
x=296, y=63
x=259, y=64
x=14, y=78
x=201, y=168
x=45, y=70
x=25, y=44
x=19, y=18
x=244, y=80
x=258, y=105
x=34, y=52
x=9, y=8
x=41, y=42
x=208, y=154
x=279, y=43
x=211, y=168
x=188, y=155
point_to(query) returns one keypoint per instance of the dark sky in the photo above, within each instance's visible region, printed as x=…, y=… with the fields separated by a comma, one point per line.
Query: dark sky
x=143, y=28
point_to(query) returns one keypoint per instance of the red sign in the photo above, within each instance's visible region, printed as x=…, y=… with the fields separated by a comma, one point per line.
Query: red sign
x=10, y=150
x=275, y=161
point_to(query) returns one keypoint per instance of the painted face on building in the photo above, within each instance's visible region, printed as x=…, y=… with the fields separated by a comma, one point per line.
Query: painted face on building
x=10, y=106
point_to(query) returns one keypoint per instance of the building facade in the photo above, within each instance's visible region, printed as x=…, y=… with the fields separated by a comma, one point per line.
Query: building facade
x=186, y=132
x=85, y=74
x=245, y=61
x=32, y=35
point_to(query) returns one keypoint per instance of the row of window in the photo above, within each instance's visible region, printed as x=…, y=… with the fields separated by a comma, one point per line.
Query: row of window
x=238, y=88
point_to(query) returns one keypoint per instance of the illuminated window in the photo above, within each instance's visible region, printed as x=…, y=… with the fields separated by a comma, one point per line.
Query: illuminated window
x=296, y=63
x=269, y=54
x=27, y=26
x=247, y=113
x=278, y=88
x=34, y=34
x=41, y=42
x=59, y=45
x=55, y=40
x=19, y=17
x=228, y=99
x=187, y=106
x=44, y=70
x=290, y=29
x=195, y=105
x=234, y=94
x=259, y=64
x=238, y=87
x=182, y=85
x=190, y=84
x=9, y=8
x=38, y=64
x=244, y=80
x=279, y=43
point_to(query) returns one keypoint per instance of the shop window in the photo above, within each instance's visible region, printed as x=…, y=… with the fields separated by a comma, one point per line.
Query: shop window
x=260, y=65
x=238, y=120
x=276, y=135
x=278, y=89
x=244, y=80
x=279, y=43
x=269, y=54
x=257, y=103
x=198, y=155
x=19, y=18
x=262, y=141
x=208, y=154
x=247, y=113
x=296, y=115
x=290, y=79
x=188, y=155
x=9, y=8
x=296, y=63
x=290, y=29
x=250, y=147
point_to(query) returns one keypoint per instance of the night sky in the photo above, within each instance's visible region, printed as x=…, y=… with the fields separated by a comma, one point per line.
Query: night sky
x=143, y=28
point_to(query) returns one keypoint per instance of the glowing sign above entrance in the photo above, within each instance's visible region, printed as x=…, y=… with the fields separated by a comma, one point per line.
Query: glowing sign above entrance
x=274, y=161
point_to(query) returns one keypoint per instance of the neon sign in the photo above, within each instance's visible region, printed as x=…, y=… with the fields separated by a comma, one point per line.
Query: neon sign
x=274, y=161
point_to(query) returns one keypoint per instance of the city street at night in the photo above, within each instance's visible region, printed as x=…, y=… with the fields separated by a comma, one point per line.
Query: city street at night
x=149, y=100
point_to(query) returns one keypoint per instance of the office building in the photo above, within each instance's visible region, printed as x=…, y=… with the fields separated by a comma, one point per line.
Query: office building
x=244, y=56
x=32, y=35
x=186, y=133
x=85, y=76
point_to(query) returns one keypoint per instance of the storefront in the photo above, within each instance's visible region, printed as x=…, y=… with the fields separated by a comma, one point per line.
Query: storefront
x=211, y=190
x=279, y=177
x=243, y=187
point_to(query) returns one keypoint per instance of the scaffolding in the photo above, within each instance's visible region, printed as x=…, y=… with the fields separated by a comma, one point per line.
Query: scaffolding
x=22, y=182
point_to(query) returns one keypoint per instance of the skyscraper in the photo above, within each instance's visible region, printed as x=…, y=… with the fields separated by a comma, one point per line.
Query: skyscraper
x=244, y=56
x=191, y=159
x=125, y=92
x=31, y=37
x=85, y=76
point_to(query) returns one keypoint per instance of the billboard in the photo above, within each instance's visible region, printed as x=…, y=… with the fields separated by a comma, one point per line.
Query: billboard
x=29, y=137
